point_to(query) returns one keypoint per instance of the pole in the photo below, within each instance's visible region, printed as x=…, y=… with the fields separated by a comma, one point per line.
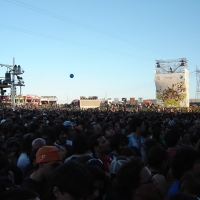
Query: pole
x=13, y=86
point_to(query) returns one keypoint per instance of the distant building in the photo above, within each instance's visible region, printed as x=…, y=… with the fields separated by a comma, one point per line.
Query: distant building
x=48, y=99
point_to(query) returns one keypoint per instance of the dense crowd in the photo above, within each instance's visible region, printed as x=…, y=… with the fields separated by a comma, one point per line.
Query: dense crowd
x=99, y=155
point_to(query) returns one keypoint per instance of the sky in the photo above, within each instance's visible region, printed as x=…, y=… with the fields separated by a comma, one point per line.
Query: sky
x=110, y=45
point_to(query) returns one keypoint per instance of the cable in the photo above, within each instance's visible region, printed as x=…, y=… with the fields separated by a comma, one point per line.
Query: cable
x=61, y=39
x=45, y=12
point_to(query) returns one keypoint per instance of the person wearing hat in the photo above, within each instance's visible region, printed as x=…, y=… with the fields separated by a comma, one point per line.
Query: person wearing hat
x=65, y=134
x=48, y=158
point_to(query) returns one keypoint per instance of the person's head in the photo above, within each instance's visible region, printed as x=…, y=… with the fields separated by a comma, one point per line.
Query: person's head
x=117, y=164
x=17, y=131
x=130, y=152
x=150, y=143
x=69, y=129
x=13, y=145
x=156, y=158
x=97, y=143
x=63, y=132
x=19, y=194
x=134, y=179
x=95, y=127
x=79, y=144
x=37, y=143
x=100, y=181
x=186, y=138
x=172, y=137
x=190, y=184
x=27, y=142
x=185, y=159
x=70, y=181
x=158, y=134
x=137, y=125
x=48, y=158
x=48, y=135
x=95, y=162
x=118, y=142
x=116, y=127
x=33, y=127
x=107, y=131
x=61, y=136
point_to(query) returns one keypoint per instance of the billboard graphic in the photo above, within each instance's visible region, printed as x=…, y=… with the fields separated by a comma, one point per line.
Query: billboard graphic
x=172, y=90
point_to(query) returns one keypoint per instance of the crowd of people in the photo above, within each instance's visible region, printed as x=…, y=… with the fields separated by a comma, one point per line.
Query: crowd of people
x=99, y=155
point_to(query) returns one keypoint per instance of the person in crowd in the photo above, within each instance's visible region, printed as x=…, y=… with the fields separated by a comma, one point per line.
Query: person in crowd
x=95, y=128
x=107, y=131
x=17, y=132
x=48, y=158
x=172, y=138
x=137, y=126
x=69, y=130
x=117, y=144
x=100, y=148
x=68, y=182
x=48, y=134
x=116, y=127
x=156, y=161
x=186, y=138
x=185, y=159
x=23, y=160
x=150, y=143
x=6, y=176
x=2, y=139
x=100, y=182
x=158, y=134
x=13, y=149
x=19, y=194
x=116, y=165
x=38, y=142
x=62, y=142
x=79, y=146
x=190, y=184
x=134, y=182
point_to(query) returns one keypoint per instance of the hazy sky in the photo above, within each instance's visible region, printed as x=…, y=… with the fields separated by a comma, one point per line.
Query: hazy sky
x=110, y=45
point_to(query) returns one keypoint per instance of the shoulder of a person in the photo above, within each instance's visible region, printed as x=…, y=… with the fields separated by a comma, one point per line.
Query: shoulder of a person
x=108, y=158
x=130, y=136
x=160, y=178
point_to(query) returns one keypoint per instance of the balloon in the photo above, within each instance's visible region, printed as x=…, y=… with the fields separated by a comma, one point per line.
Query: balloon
x=71, y=75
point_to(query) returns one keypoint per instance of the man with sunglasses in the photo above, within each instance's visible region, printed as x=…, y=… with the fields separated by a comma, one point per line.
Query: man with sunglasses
x=135, y=181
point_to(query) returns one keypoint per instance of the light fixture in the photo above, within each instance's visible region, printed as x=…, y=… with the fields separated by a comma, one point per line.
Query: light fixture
x=158, y=65
x=19, y=78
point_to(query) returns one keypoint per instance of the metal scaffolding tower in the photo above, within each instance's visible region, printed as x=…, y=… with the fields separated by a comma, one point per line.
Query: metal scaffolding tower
x=171, y=66
x=198, y=83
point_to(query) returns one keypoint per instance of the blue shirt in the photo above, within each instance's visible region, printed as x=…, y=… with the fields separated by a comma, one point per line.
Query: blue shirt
x=174, y=189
